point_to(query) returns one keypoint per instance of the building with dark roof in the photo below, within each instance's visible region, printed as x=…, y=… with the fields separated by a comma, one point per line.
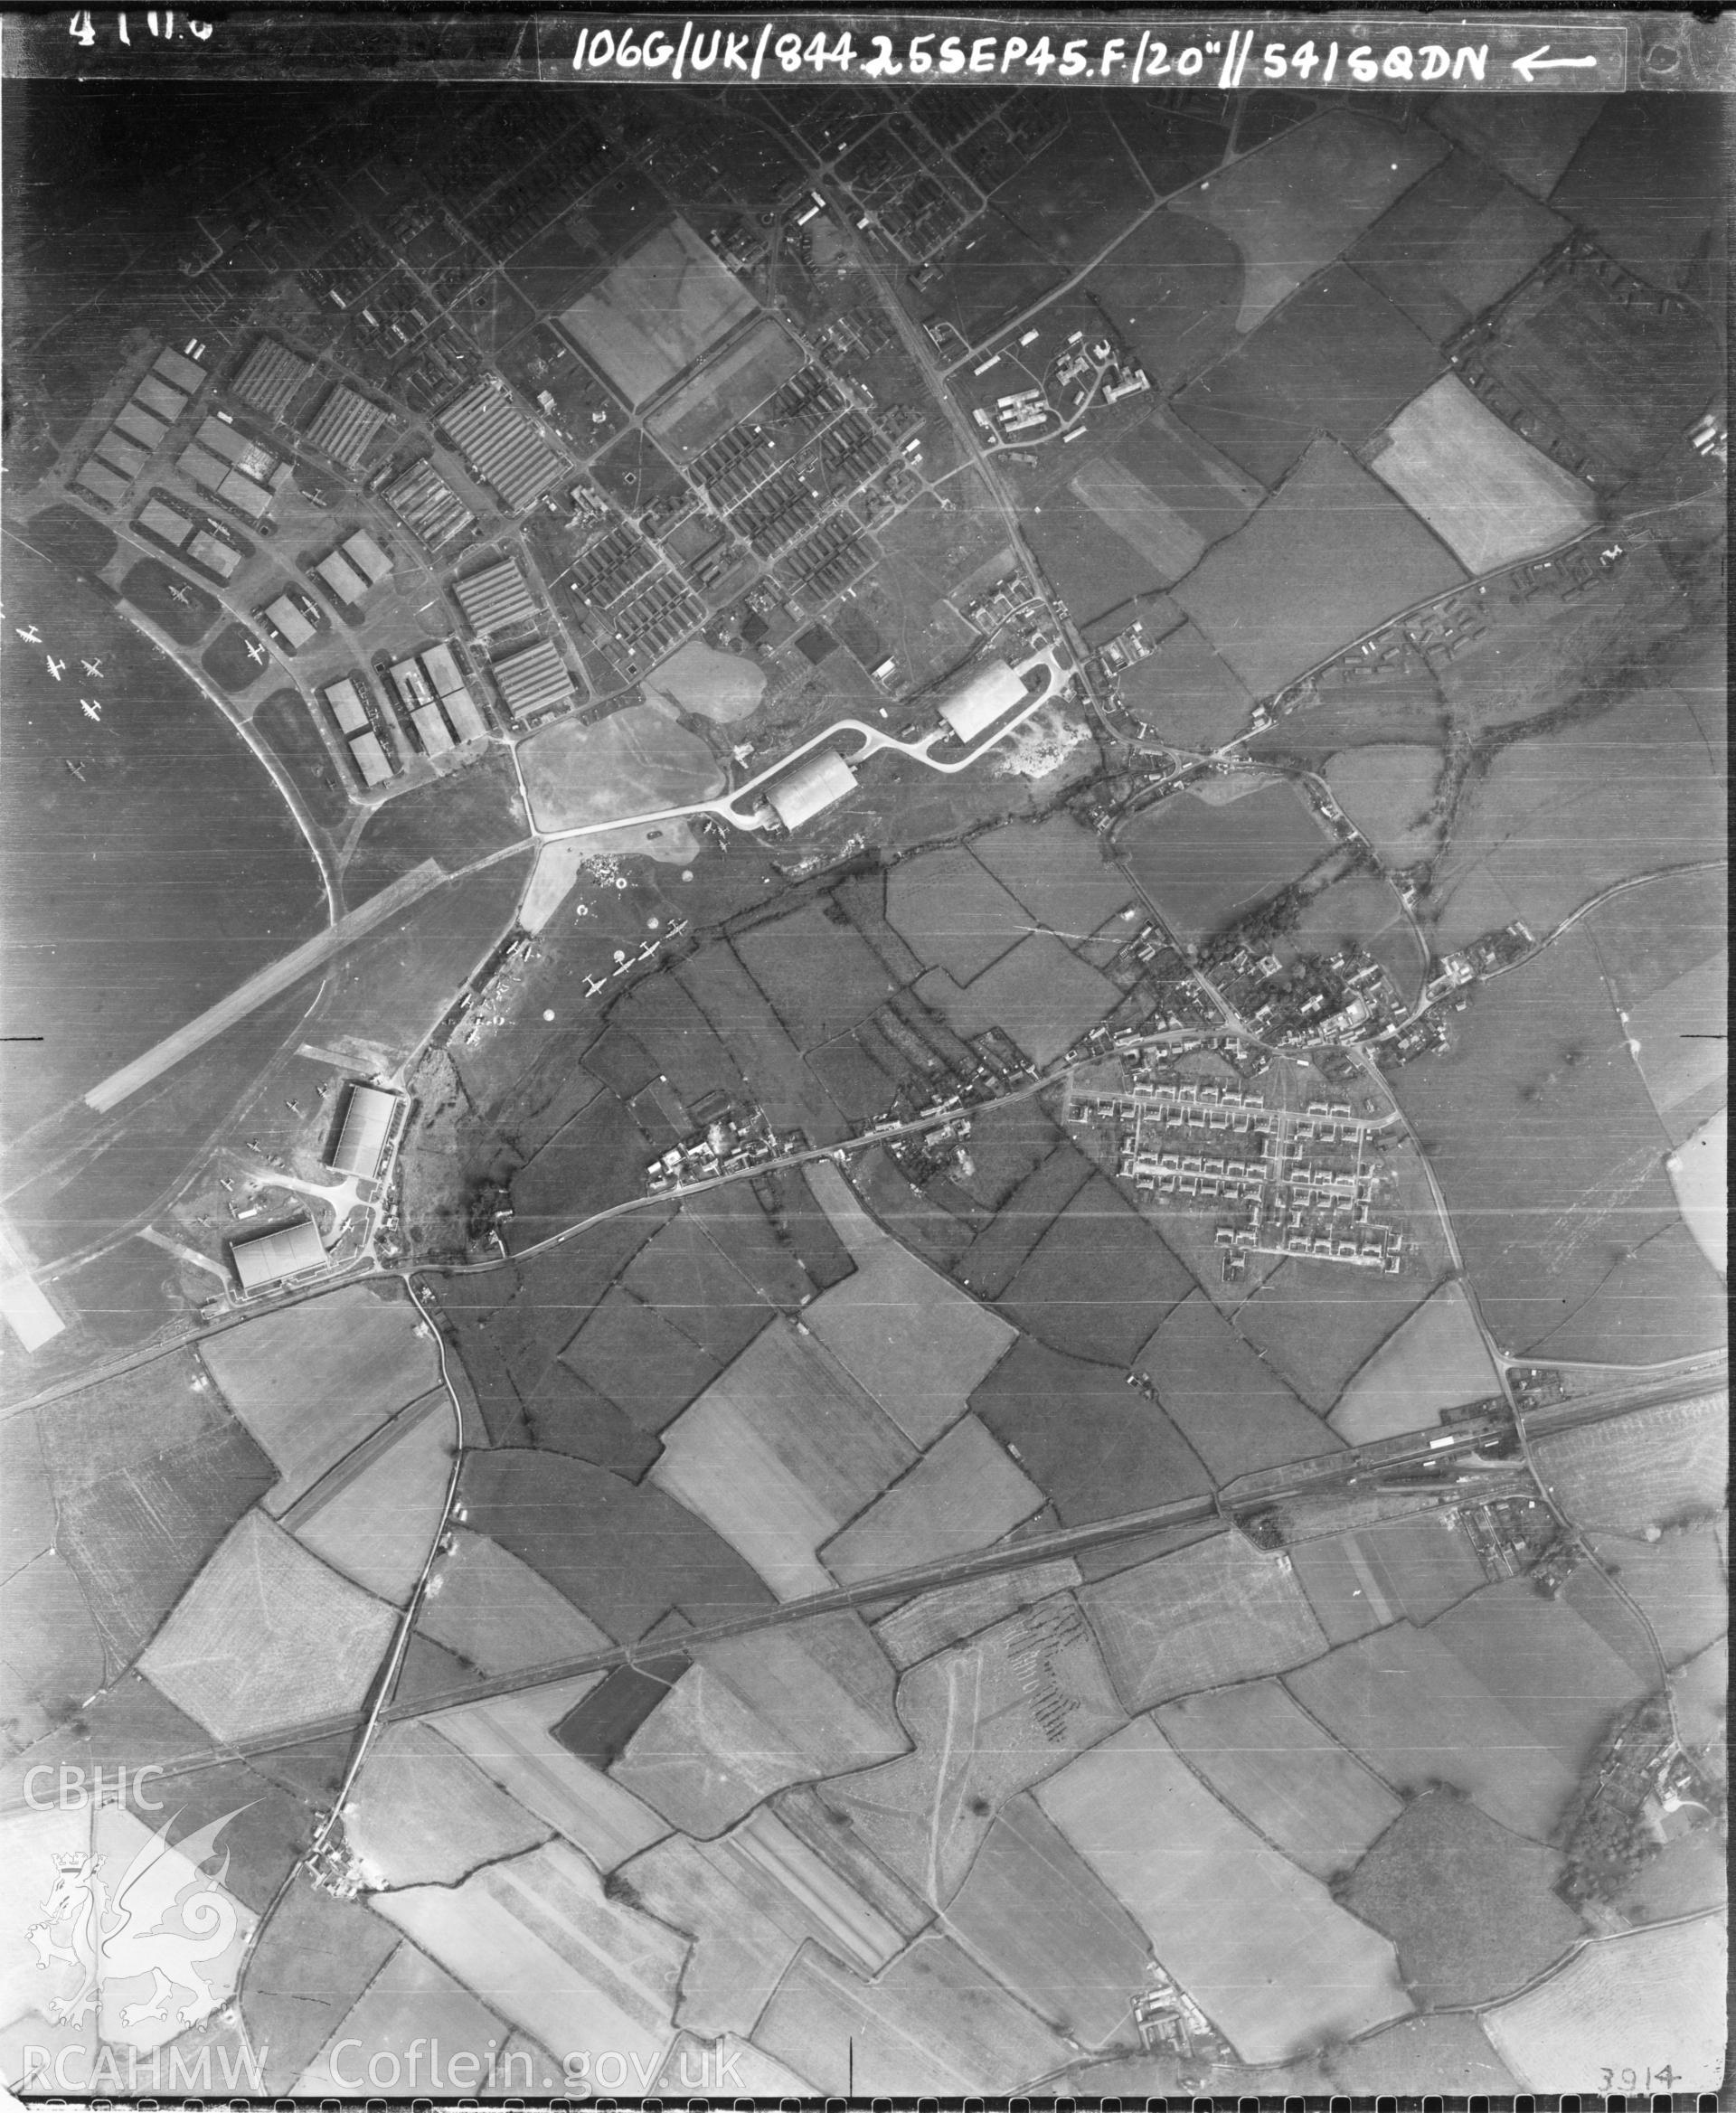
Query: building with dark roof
x=496, y=600
x=267, y=1259
x=502, y=445
x=156, y=396
x=344, y=426
x=535, y=680
x=270, y=377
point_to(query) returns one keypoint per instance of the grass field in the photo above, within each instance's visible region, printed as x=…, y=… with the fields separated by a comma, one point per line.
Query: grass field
x=266, y=1636
x=820, y=974
x=1420, y=1717
x=1533, y=147
x=694, y=1285
x=313, y=1960
x=1456, y=242
x=1679, y=1583
x=1406, y=1569
x=1432, y=1362
x=1387, y=790
x=597, y=1160
x=954, y=914
x=314, y=1379
x=1616, y=2004
x=227, y=661
x=1008, y=1141
x=1174, y=288
x=795, y=1215
x=497, y=1614
x=1057, y=870
x=379, y=1528
x=920, y=1626
x=1700, y=1690
x=1043, y=996
x=1206, y=864
x=1490, y=497
x=760, y=1251
x=67, y=537
x=741, y=1014
x=1339, y=358
x=147, y=586
x=409, y=1999
x=1681, y=1059
x=1099, y=1281
x=458, y=819
x=1231, y=1406
x=999, y=1249
x=656, y=312
x=54, y=1654
x=1635, y=183
x=1318, y=1324
x=426, y=1814
x=636, y=762
x=1261, y=1948
x=1472, y=1909
x=1652, y=1467
x=1687, y=1876
x=986, y=279
x=1217, y=1612
x=284, y=725
x=1091, y=565
x=1095, y=1445
x=1269, y=1762
x=1187, y=694
x=1079, y=194
x=964, y=1493
x=634, y=1356
x=1327, y=558
x=1398, y=706
x=709, y=402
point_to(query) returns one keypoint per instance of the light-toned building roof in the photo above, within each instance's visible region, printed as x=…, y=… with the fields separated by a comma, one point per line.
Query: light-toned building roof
x=371, y=758
x=434, y=735
x=443, y=669
x=344, y=426
x=342, y=577
x=122, y=454
x=271, y=1258
x=98, y=477
x=134, y=420
x=270, y=377
x=988, y=693
x=164, y=522
x=250, y=457
x=177, y=367
x=502, y=444
x=367, y=557
x=367, y=1124
x=817, y=782
x=288, y=620
x=494, y=599
x=406, y=678
x=462, y=709
x=155, y=395
x=245, y=496
x=202, y=467
x=221, y=557
x=343, y=701
x=533, y=680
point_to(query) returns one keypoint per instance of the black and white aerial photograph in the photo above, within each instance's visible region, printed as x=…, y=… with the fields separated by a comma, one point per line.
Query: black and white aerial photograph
x=863, y=969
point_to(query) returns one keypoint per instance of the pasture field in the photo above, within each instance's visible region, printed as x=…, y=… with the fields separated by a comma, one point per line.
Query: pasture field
x=623, y=1553
x=312, y=1381
x=1057, y=870
x=378, y=1529
x=863, y=898
x=1305, y=198
x=1449, y=2050
x=284, y=725
x=1387, y=789
x=661, y=308
x=1318, y=1324
x=266, y=1636
x=1456, y=242
x=920, y=1626
x=685, y=1276
x=1434, y=1361
x=743, y=1016
x=511, y=1741
x=1365, y=907
x=1269, y=1760
x=953, y=913
x=999, y=1249
x=1259, y=1946
x=1541, y=1060
x=1078, y=193
x=458, y=819
x=796, y=1217
x=147, y=586
x=1099, y=1281
x=1616, y=2004
x=1490, y=497
x=735, y=1221
x=1400, y=706
x=1339, y=358
x=1090, y=563
x=907, y=1212
x=1041, y=1919
x=963, y=1492
x=1406, y=1568
x=541, y=1943
x=1230, y=1405
x=1131, y=509
x=54, y=1653
x=1699, y=1174
x=1420, y=1717
x=755, y=1714
x=1174, y=289
x=1187, y=694
x=26, y=1490
x=1471, y=1909
x=1170, y=148
x=1043, y=996
x=635, y=1357
x=820, y=974
x=740, y=1946
x=1700, y=1688
x=993, y=276
x=778, y=1454
x=313, y=1960
x=1687, y=1876
x=708, y=403
x=1655, y=1467
x=425, y=1815
x=408, y=2000
x=990, y=1717
x=1201, y=488
x=933, y=2022
x=1008, y=1142
x=497, y=1614
x=1681, y=1059
x=663, y=1018
x=697, y=677
x=1329, y=556
x=1679, y=1583
x=636, y=762
x=1095, y=1444
x=1636, y=183
x=1219, y=1611
x=1534, y=147
x=1204, y=865
x=854, y=1084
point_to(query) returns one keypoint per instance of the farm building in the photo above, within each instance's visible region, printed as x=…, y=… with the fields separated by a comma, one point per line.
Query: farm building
x=535, y=680
x=817, y=782
x=214, y=554
x=236, y=450
x=344, y=426
x=494, y=599
x=343, y=701
x=164, y=522
x=179, y=370
x=121, y=454
x=431, y=730
x=157, y=397
x=342, y=577
x=367, y=557
x=503, y=445
x=289, y=621
x=135, y=420
x=271, y=376
x=269, y=1258
x=98, y=477
x=990, y=693
x=367, y=1124
x=423, y=498
x=369, y=758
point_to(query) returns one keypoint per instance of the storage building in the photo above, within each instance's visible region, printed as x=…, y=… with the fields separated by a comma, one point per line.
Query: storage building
x=270, y=377
x=178, y=369
x=202, y=467
x=988, y=693
x=817, y=782
x=245, y=496
x=503, y=445
x=367, y=557
x=137, y=424
x=442, y=670
x=164, y=522
x=212, y=551
x=461, y=708
x=431, y=730
x=369, y=758
x=535, y=680
x=407, y=679
x=496, y=600
x=344, y=426
x=98, y=477
x=343, y=701
x=287, y=621
x=342, y=578
x=122, y=454
x=237, y=449
x=156, y=396
x=367, y=1125
x=429, y=503
x=269, y=1258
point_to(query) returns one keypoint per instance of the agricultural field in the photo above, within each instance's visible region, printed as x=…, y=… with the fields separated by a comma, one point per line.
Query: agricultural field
x=1679, y=1583
x=1434, y=1361
x=1457, y=240
x=999, y=1249
x=313, y=1960
x=407, y=2003
x=1685, y=1877
x=1641, y=183
x=1096, y=1445
x=1616, y=2004
x=1339, y=358
x=1043, y=996
x=1260, y=1947
x=1698, y=1172
x=1451, y=2050
x=964, y=1493
x=53, y=1656
x=1701, y=1689
x=1291, y=1781
x=1174, y=288
x=1328, y=558
x=1218, y=1612
x=1471, y=1909
x=1232, y=1407
x=637, y=760
x=918, y=1628
x=821, y=976
x=1681, y=1056
x=1078, y=193
x=495, y=1613
x=266, y=1637
x=742, y=1015
x=1490, y=497
x=1397, y=706
x=1057, y=870
x=1364, y=909
x=1099, y=1281
x=425, y=1814
x=379, y=1527
x=1532, y=148
x=661, y=308
x=1657, y=1466
x=953, y=913
x=684, y=1274
x=630, y=1354
x=1318, y=1324
x=1205, y=864
x=1187, y=694
x=708, y=403
x=1398, y=1570
x=1388, y=791
x=986, y=281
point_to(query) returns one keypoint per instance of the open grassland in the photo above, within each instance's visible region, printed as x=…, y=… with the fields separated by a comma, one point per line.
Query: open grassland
x=313, y=1960
x=636, y=761
x=1642, y=181
x=1000, y=1248
x=1406, y=1569
x=1431, y=1362
x=1095, y=1444
x=497, y=1614
x=1187, y=694
x=1079, y=192
x=1175, y=289
x=1490, y=497
x=954, y=914
x=425, y=1814
x=380, y=1528
x=742, y=1018
x=266, y=1636
x=796, y=1218
x=1472, y=1909
x=1653, y=1467
x=1087, y=555
x=988, y=280
x=1391, y=705
x=1218, y=1612
x=408, y=2002
x=1687, y=1876
x=1043, y=996
x=1204, y=865
x=596, y=1160
x=820, y=974
x=1419, y=1716
x=630, y=1354
x=1057, y=870
x=1317, y=1323
x=1260, y=1947
x=963, y=1492
x=461, y=816
x=761, y=1249
x=1700, y=1690
x=1388, y=791
x=918, y=1628
x=690, y=1282
x=1330, y=556
x=1364, y=909
x=1099, y=1281
x=313, y=1380
x=1616, y=2004
x=1008, y=1141
x=1679, y=1583
x=1456, y=242
x=1534, y=146
x=1232, y=1407
x=1681, y=1057
x=53, y=1657
x=1267, y=1760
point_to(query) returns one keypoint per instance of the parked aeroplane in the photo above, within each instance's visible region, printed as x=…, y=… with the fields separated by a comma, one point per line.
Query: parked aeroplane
x=29, y=633
x=256, y=651
x=93, y=668
x=89, y=710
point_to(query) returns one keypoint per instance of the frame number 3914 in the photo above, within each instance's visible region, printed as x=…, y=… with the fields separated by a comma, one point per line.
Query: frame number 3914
x=1640, y=2080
